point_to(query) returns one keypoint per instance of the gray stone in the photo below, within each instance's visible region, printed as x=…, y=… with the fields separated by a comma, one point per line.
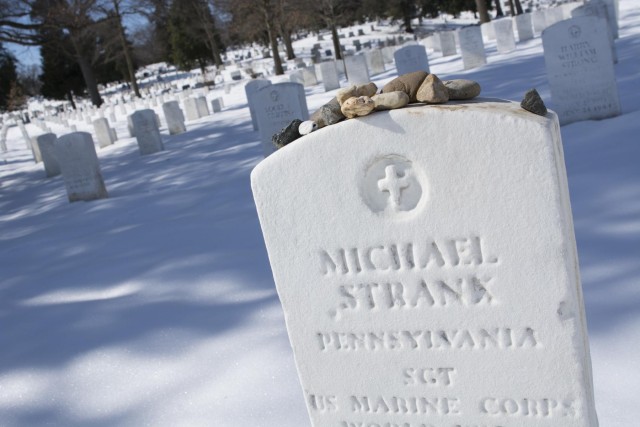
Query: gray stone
x=390, y=100
x=533, y=103
x=329, y=114
x=432, y=91
x=287, y=135
x=461, y=89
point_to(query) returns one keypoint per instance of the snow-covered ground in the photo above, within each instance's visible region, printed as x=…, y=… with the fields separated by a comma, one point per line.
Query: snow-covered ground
x=156, y=307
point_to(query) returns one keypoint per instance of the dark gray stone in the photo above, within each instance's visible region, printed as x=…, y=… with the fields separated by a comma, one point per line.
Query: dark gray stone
x=533, y=103
x=287, y=135
x=462, y=89
x=330, y=113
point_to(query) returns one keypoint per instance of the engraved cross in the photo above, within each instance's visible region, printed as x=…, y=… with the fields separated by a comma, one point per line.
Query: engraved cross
x=393, y=183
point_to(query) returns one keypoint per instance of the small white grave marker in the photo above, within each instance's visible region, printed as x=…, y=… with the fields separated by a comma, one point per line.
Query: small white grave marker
x=47, y=144
x=329, y=74
x=409, y=296
x=174, y=117
x=103, y=132
x=505, y=40
x=357, y=71
x=447, y=43
x=76, y=155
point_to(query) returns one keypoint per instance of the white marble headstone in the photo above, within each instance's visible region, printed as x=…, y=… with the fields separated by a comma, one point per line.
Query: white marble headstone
x=216, y=105
x=191, y=109
x=554, y=15
x=447, y=43
x=47, y=145
x=505, y=40
x=276, y=106
x=487, y=31
x=76, y=155
x=103, y=132
x=174, y=117
x=598, y=9
x=419, y=286
x=472, y=47
x=202, y=107
x=375, y=61
x=580, y=70
x=539, y=21
x=356, y=68
x=524, y=26
x=411, y=58
x=147, y=133
x=249, y=89
x=329, y=74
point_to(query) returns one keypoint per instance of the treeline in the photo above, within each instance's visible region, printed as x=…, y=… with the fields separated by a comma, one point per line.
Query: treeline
x=87, y=42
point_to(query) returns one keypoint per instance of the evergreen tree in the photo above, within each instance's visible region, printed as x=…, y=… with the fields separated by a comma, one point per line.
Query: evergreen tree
x=61, y=76
x=188, y=46
x=8, y=75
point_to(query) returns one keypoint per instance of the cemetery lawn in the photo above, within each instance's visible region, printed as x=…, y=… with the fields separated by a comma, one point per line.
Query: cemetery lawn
x=157, y=306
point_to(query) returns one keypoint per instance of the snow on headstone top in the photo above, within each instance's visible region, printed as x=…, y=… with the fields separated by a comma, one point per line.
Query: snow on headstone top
x=426, y=264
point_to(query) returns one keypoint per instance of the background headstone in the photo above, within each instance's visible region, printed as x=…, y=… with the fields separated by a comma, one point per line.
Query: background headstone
x=411, y=58
x=447, y=43
x=472, y=47
x=147, y=133
x=191, y=109
x=505, y=40
x=76, y=155
x=250, y=88
x=329, y=74
x=103, y=132
x=174, y=117
x=202, y=107
x=524, y=26
x=411, y=298
x=598, y=9
x=276, y=106
x=580, y=70
x=356, y=69
x=47, y=144
x=375, y=61
x=539, y=21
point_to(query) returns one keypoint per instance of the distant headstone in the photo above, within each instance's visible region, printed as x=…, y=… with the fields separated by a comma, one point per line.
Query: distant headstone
x=387, y=54
x=3, y=138
x=249, y=89
x=174, y=117
x=329, y=74
x=580, y=69
x=524, y=26
x=130, y=128
x=553, y=15
x=191, y=109
x=409, y=295
x=309, y=77
x=505, y=40
x=487, y=31
x=216, y=105
x=47, y=145
x=35, y=150
x=375, y=61
x=612, y=14
x=447, y=43
x=147, y=133
x=78, y=161
x=202, y=107
x=472, y=47
x=411, y=58
x=357, y=71
x=539, y=20
x=598, y=9
x=360, y=32
x=276, y=106
x=103, y=132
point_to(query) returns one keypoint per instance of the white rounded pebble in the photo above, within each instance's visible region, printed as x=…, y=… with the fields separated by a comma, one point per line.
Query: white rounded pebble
x=307, y=127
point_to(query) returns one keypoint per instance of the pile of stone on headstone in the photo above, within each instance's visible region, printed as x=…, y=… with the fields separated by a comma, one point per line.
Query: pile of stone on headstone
x=361, y=100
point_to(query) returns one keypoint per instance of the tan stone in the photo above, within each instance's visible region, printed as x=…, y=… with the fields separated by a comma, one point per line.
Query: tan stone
x=368, y=89
x=408, y=83
x=357, y=106
x=432, y=91
x=390, y=100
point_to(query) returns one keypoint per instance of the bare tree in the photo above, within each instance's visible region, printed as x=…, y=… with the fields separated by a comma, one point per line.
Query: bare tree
x=481, y=5
x=207, y=23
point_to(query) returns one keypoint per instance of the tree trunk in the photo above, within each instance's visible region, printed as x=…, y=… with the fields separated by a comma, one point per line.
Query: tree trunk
x=336, y=42
x=512, y=8
x=407, y=23
x=519, y=10
x=482, y=11
x=499, y=12
x=288, y=43
x=126, y=51
x=87, y=73
x=273, y=40
x=215, y=50
x=70, y=99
